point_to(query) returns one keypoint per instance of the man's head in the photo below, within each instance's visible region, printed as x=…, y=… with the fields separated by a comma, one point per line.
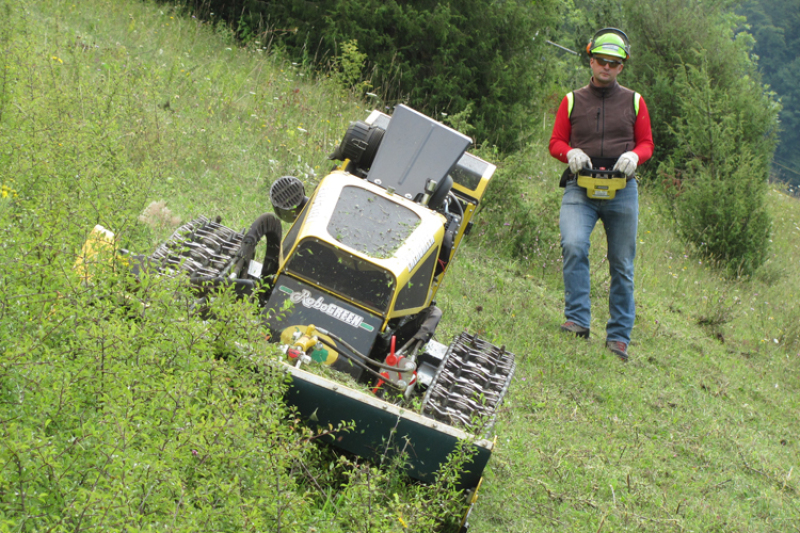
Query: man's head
x=608, y=49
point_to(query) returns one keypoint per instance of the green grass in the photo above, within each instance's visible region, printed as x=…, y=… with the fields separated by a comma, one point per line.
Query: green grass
x=698, y=432
x=106, y=107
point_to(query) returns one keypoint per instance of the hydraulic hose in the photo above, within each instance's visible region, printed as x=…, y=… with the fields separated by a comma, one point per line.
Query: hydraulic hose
x=355, y=352
x=266, y=225
x=358, y=361
x=455, y=201
x=427, y=328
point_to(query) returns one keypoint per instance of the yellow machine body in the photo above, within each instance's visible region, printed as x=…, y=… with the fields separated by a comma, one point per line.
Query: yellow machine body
x=410, y=256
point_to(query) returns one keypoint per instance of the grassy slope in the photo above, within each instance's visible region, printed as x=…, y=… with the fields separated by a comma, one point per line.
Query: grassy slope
x=698, y=432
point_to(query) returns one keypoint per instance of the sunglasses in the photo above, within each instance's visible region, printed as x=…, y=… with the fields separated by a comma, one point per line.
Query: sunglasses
x=610, y=62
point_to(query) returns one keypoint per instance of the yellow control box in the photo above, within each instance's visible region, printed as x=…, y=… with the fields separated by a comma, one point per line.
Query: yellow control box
x=601, y=188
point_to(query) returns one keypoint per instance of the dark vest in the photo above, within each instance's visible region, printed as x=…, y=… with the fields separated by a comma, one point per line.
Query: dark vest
x=602, y=121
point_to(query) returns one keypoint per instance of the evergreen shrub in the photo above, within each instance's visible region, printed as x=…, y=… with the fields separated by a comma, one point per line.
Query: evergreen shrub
x=717, y=176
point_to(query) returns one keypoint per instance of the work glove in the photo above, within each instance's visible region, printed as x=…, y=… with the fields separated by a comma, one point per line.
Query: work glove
x=627, y=163
x=577, y=160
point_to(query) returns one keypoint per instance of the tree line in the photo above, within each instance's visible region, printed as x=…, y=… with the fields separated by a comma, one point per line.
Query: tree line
x=775, y=25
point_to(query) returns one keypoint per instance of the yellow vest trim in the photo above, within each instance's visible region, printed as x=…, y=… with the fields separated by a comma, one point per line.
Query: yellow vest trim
x=571, y=102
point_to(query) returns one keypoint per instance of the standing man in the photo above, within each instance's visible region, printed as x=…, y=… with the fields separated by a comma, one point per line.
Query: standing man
x=602, y=125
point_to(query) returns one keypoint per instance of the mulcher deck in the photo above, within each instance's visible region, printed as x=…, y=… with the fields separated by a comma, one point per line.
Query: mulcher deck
x=382, y=428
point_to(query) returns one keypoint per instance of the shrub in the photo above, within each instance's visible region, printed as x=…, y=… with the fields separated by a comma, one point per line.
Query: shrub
x=724, y=216
x=519, y=215
x=717, y=176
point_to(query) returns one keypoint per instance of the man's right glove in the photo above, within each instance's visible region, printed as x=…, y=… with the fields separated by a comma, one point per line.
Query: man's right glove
x=577, y=160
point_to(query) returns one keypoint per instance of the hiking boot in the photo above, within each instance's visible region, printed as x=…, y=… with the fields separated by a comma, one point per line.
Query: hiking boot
x=618, y=348
x=572, y=327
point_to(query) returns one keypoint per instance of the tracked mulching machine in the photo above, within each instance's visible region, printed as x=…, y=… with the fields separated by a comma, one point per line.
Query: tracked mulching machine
x=352, y=286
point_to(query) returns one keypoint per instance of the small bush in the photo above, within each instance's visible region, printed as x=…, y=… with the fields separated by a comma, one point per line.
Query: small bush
x=520, y=213
x=724, y=219
x=348, y=67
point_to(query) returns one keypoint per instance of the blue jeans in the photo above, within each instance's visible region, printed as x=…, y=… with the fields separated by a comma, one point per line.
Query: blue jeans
x=620, y=216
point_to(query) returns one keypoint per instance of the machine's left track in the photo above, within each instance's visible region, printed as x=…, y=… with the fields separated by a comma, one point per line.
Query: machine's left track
x=198, y=248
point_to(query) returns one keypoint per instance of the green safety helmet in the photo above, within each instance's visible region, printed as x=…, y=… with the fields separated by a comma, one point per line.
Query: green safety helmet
x=610, y=42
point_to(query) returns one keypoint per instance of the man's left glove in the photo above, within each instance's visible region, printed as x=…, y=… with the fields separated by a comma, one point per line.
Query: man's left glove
x=627, y=163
